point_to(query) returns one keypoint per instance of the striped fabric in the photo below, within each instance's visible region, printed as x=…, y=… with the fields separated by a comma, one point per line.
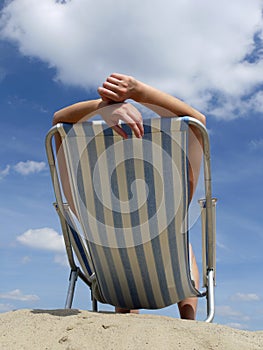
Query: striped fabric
x=78, y=243
x=132, y=197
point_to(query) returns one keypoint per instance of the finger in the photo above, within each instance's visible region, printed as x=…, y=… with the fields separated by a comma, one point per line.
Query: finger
x=118, y=76
x=141, y=128
x=110, y=86
x=136, y=130
x=120, y=89
x=105, y=99
x=120, y=131
x=137, y=118
x=118, y=83
x=136, y=126
x=108, y=94
x=113, y=80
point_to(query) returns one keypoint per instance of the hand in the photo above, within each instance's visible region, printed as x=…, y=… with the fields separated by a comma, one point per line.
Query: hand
x=118, y=88
x=126, y=112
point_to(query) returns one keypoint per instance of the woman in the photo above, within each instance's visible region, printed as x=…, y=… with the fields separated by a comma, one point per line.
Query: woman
x=112, y=107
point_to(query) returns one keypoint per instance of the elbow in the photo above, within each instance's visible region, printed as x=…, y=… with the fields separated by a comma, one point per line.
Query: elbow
x=199, y=116
x=202, y=119
x=55, y=118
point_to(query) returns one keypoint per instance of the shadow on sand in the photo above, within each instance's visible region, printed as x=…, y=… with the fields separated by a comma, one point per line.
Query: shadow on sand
x=57, y=312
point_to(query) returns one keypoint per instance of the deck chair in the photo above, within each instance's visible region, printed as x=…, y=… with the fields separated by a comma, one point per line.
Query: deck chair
x=127, y=235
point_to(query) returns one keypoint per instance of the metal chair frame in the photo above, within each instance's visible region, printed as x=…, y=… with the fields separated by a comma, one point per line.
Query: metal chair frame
x=208, y=218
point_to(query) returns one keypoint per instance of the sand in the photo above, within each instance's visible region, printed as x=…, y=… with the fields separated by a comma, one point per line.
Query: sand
x=76, y=329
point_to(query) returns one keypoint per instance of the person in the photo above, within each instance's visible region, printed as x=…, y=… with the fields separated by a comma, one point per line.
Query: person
x=112, y=106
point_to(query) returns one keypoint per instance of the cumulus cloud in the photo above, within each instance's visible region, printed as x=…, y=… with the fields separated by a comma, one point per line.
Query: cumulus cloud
x=29, y=167
x=236, y=325
x=256, y=144
x=208, y=52
x=43, y=238
x=23, y=168
x=61, y=259
x=18, y=295
x=245, y=297
x=229, y=312
x=26, y=260
x=4, y=172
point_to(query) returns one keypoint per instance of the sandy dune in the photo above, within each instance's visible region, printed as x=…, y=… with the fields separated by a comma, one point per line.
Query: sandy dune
x=75, y=329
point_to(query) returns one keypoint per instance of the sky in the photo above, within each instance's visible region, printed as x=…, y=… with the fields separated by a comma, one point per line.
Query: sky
x=55, y=53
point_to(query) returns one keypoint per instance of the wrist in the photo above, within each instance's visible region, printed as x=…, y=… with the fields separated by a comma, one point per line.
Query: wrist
x=102, y=103
x=137, y=91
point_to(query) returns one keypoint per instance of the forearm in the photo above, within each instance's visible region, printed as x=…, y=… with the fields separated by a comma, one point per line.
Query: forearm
x=78, y=111
x=163, y=103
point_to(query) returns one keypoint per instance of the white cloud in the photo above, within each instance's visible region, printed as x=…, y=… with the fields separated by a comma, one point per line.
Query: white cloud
x=18, y=102
x=6, y=307
x=43, y=238
x=221, y=245
x=4, y=172
x=26, y=260
x=24, y=168
x=245, y=297
x=228, y=312
x=256, y=144
x=255, y=102
x=29, y=167
x=203, y=51
x=61, y=259
x=236, y=325
x=18, y=295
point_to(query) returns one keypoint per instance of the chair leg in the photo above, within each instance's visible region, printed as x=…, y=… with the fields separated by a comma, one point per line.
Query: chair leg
x=94, y=305
x=72, y=282
x=210, y=297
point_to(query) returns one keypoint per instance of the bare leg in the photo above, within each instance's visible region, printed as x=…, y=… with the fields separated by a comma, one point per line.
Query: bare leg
x=188, y=307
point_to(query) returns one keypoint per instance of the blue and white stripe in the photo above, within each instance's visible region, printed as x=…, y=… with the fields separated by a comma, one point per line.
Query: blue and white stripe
x=132, y=200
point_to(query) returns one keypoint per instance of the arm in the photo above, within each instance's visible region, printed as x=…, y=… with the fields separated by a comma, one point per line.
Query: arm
x=119, y=87
x=78, y=111
x=110, y=112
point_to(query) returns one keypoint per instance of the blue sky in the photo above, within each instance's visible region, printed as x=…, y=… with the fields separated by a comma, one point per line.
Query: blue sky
x=54, y=54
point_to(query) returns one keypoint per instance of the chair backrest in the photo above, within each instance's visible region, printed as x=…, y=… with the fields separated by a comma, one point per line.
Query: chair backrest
x=131, y=197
